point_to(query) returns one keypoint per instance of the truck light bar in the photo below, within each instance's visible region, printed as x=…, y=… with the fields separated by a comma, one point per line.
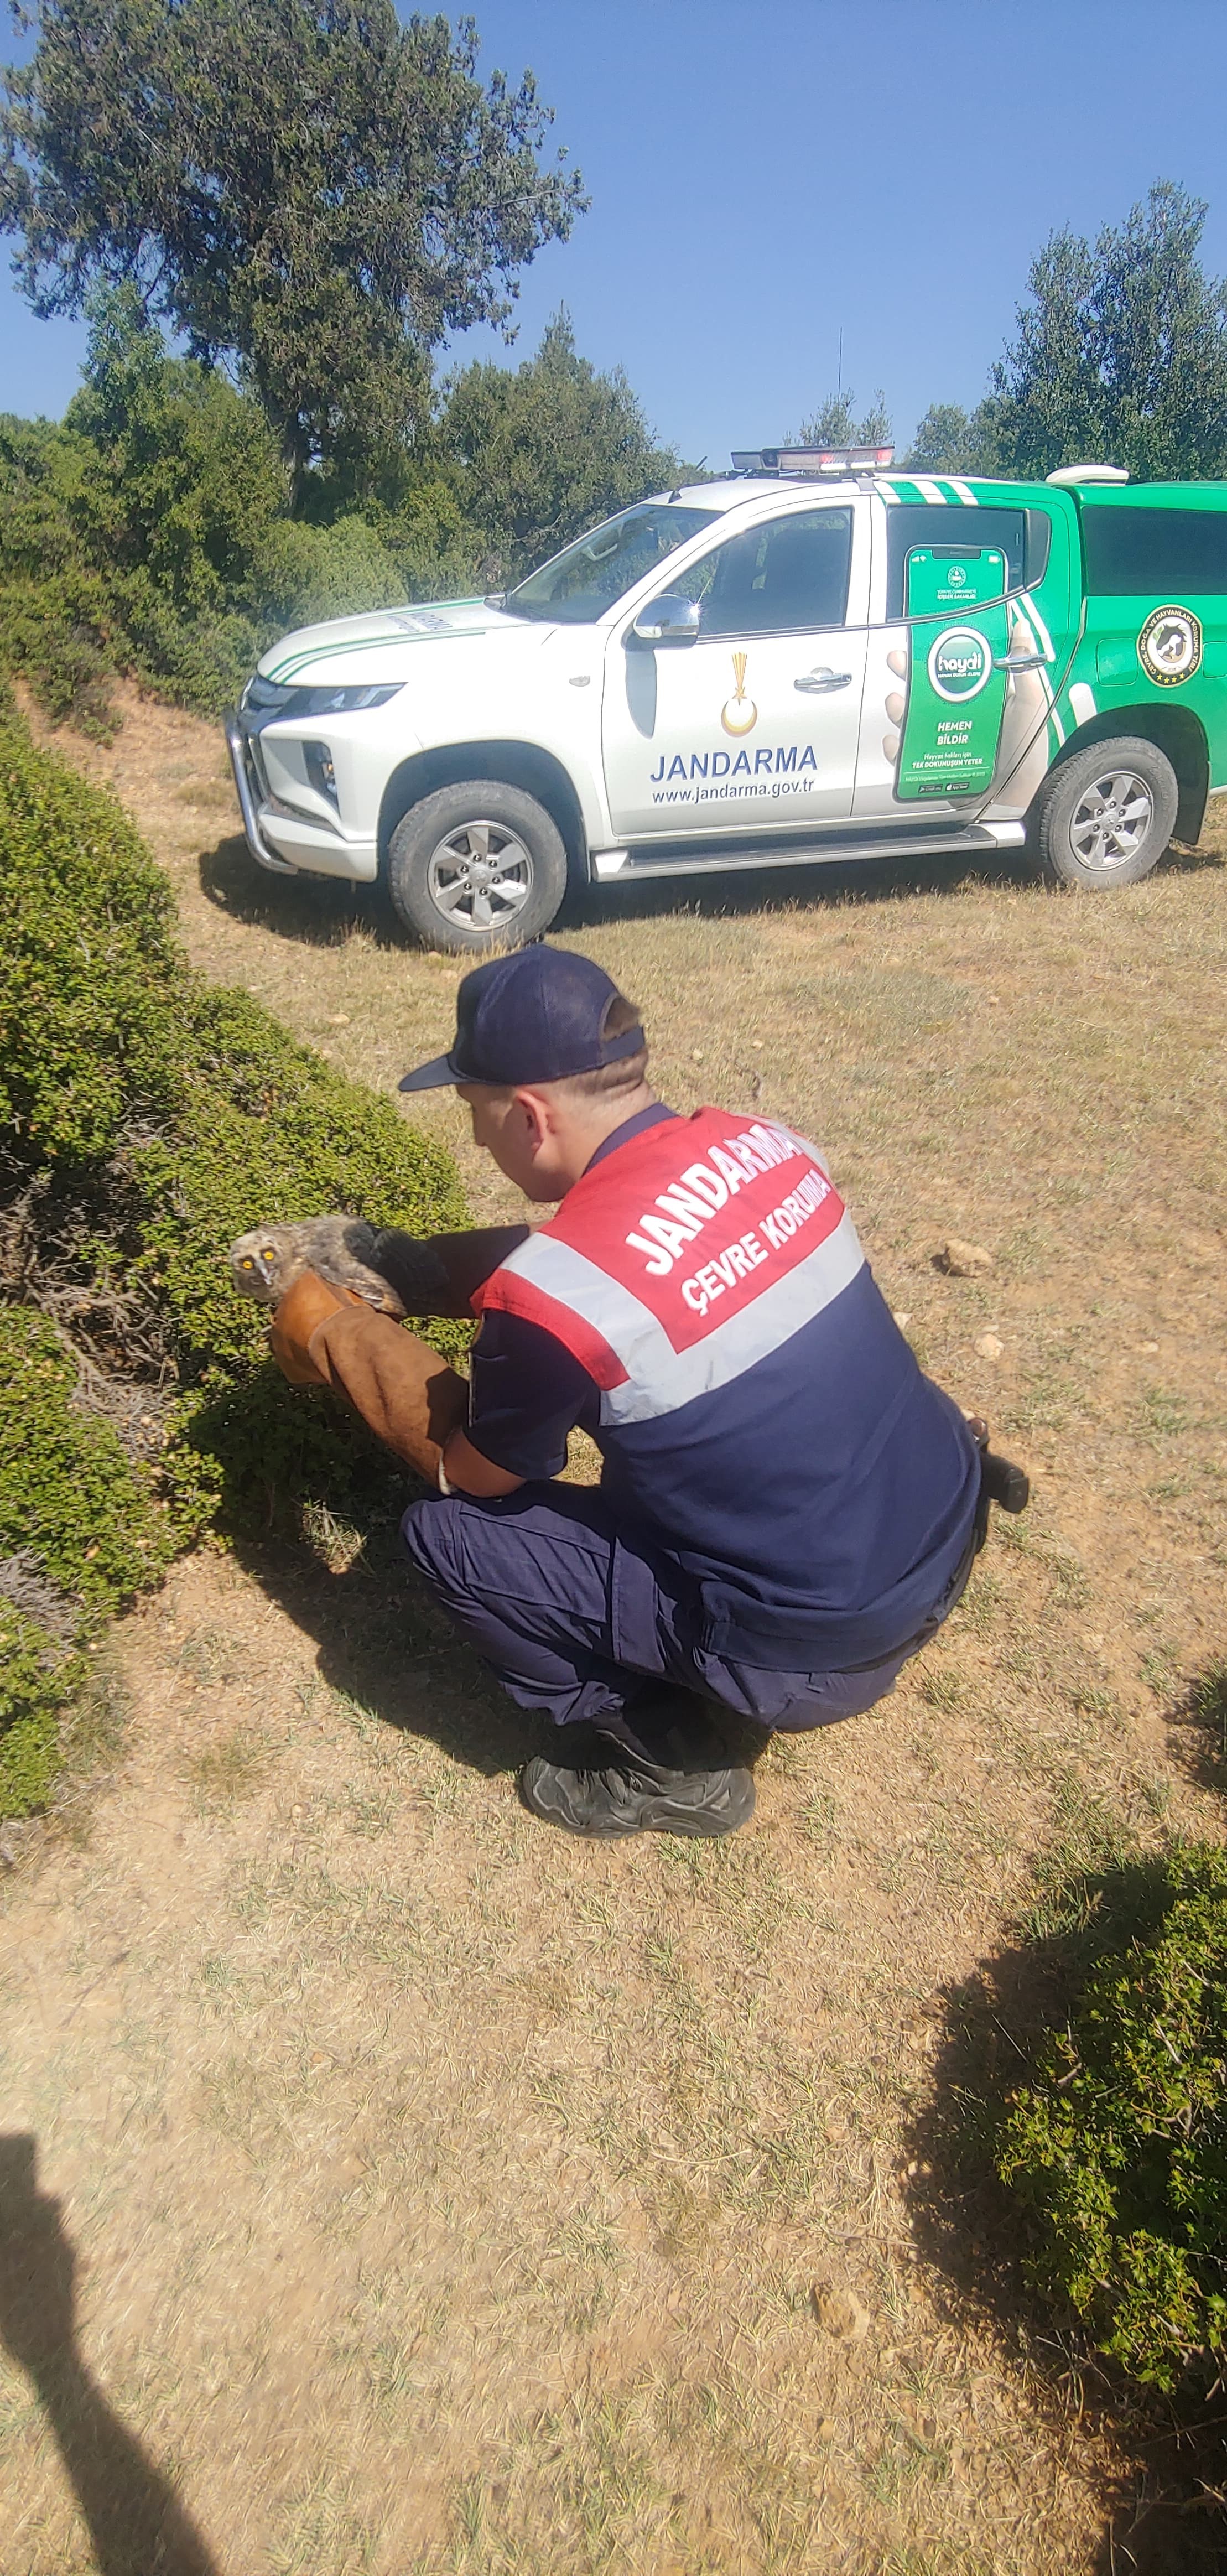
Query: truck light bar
x=811, y=460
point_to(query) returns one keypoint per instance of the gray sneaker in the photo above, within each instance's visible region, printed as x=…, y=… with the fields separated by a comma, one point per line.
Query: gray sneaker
x=631, y=1796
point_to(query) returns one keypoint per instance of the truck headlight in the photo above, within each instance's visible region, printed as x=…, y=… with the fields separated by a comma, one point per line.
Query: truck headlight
x=265, y=698
x=346, y=702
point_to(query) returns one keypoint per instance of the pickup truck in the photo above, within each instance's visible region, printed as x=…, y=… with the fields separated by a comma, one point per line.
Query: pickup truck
x=814, y=658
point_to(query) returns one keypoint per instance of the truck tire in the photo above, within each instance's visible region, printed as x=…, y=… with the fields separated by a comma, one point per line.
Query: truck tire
x=477, y=867
x=1104, y=816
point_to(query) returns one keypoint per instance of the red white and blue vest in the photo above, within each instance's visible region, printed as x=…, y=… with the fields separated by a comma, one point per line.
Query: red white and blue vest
x=760, y=1415
x=689, y=1255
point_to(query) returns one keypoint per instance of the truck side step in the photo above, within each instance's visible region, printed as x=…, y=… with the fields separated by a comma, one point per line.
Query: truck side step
x=697, y=858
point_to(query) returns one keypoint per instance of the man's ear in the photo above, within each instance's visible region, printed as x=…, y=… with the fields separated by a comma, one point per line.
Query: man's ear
x=535, y=1111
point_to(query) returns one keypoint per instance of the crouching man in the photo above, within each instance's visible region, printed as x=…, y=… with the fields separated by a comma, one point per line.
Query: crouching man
x=787, y=1507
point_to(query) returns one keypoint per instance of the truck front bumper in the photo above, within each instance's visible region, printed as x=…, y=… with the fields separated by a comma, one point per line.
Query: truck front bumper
x=286, y=842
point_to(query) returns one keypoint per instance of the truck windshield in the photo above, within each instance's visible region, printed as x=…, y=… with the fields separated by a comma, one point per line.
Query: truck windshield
x=582, y=582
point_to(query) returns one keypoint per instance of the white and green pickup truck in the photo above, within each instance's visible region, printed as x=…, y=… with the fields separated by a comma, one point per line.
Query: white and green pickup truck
x=814, y=658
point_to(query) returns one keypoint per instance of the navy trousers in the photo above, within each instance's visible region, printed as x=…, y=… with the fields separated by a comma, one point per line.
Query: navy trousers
x=584, y=1624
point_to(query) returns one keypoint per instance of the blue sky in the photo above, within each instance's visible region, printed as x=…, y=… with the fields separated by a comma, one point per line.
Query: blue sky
x=761, y=176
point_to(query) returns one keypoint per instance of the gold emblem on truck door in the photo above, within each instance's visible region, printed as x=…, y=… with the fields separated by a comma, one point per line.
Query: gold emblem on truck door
x=739, y=713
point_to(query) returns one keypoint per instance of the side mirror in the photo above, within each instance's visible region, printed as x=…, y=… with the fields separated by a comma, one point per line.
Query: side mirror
x=667, y=620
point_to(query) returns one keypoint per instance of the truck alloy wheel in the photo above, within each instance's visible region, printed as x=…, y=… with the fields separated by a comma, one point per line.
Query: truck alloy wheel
x=1113, y=819
x=1104, y=817
x=480, y=876
x=477, y=866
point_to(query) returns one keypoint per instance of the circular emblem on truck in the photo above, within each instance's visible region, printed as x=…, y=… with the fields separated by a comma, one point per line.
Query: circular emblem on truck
x=959, y=664
x=1169, y=646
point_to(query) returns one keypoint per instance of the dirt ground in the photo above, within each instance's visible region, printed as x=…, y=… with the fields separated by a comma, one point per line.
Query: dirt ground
x=447, y=2199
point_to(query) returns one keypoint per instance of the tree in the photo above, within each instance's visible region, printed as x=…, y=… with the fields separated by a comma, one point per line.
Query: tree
x=1048, y=386
x=1121, y=353
x=1159, y=339
x=833, y=425
x=547, y=448
x=186, y=481
x=950, y=440
x=307, y=190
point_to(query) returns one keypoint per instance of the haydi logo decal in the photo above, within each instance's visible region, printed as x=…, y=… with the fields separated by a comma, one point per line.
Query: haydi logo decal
x=959, y=664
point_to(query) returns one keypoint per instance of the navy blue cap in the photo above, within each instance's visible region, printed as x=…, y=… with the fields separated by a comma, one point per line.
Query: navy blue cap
x=534, y=1016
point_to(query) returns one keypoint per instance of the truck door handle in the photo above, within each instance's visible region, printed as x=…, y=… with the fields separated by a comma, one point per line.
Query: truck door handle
x=816, y=682
x=1021, y=662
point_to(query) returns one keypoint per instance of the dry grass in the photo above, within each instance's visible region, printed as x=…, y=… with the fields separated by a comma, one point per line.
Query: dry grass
x=451, y=2197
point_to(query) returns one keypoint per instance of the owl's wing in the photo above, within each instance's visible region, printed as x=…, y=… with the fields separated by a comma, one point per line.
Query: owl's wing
x=344, y=1250
x=441, y=1275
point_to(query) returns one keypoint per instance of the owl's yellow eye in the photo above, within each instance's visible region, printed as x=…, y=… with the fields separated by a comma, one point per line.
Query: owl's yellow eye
x=268, y=1252
x=247, y=1263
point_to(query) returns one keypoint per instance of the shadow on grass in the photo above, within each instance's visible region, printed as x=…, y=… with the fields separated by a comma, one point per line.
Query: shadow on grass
x=136, y=2523
x=316, y=912
x=1198, y=1726
x=381, y=1641
x=322, y=912
x=828, y=885
x=1167, y=2518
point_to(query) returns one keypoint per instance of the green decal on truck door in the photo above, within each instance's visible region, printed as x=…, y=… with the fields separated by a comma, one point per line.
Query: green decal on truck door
x=956, y=689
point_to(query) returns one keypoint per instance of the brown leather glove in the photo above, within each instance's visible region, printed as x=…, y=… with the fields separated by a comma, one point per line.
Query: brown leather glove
x=304, y=1306
x=412, y=1400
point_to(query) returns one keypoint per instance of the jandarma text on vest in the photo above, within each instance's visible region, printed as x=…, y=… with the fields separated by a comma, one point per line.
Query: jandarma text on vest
x=704, y=1188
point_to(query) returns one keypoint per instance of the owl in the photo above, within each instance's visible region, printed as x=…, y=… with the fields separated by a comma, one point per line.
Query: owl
x=399, y=1274
x=341, y=1249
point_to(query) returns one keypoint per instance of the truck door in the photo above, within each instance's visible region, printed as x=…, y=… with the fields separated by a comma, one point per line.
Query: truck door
x=748, y=718
x=975, y=614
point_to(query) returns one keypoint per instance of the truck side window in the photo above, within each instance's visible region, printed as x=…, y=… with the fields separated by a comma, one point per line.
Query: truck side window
x=1024, y=537
x=1161, y=552
x=791, y=572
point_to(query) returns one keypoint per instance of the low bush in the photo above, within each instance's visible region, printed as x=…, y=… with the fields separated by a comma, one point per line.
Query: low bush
x=69, y=1495
x=56, y=621
x=81, y=1531
x=1116, y=2142
x=148, y=1118
x=38, y=1676
x=90, y=973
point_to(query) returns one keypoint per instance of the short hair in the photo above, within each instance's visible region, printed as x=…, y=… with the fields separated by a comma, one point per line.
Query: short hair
x=627, y=1071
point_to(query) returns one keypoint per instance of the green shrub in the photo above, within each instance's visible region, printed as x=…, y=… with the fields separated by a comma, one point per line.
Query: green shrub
x=57, y=624
x=1117, y=2144
x=150, y=531
x=68, y=1493
x=89, y=971
x=266, y=1129
x=37, y=1678
x=148, y=1118
x=74, y=1507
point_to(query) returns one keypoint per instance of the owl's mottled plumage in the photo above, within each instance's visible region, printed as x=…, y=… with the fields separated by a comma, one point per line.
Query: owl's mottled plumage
x=341, y=1249
x=399, y=1274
